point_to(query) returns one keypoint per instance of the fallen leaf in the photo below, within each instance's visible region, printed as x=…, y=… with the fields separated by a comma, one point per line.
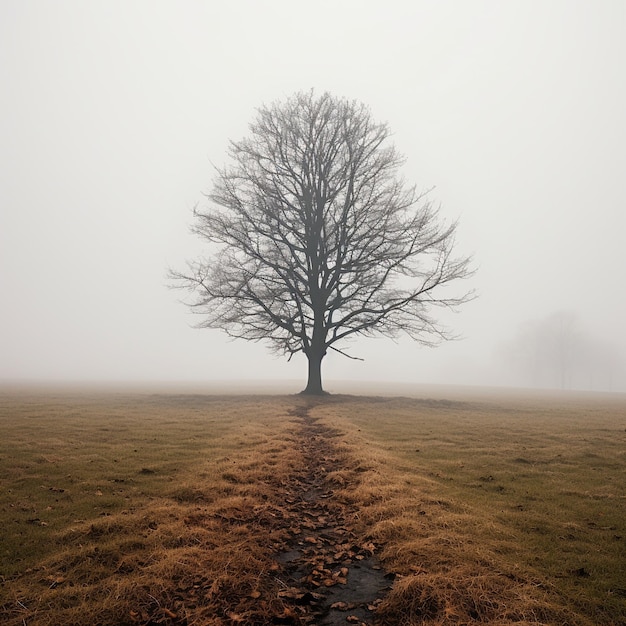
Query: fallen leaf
x=55, y=581
x=340, y=606
x=235, y=617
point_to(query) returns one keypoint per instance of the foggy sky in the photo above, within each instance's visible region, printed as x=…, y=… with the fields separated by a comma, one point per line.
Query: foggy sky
x=112, y=113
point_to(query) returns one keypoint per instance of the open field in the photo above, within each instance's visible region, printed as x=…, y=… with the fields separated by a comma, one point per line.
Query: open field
x=166, y=508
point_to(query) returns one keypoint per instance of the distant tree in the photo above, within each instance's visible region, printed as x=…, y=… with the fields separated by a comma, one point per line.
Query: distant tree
x=319, y=240
x=557, y=351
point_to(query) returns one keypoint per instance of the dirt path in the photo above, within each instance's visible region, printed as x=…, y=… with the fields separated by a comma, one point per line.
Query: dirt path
x=328, y=576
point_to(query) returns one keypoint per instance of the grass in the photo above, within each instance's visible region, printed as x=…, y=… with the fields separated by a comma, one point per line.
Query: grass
x=112, y=506
x=150, y=508
x=533, y=489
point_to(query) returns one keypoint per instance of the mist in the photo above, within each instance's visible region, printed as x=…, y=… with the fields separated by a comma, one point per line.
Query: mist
x=114, y=113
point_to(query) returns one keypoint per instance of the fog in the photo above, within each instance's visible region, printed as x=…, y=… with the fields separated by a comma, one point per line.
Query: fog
x=112, y=114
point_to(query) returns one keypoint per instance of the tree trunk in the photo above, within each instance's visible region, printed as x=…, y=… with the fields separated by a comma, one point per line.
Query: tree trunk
x=314, y=383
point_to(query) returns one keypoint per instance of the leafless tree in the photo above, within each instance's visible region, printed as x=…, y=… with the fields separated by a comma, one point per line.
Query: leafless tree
x=557, y=351
x=319, y=239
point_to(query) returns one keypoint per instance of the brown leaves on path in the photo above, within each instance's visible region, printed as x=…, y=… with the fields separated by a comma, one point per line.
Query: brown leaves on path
x=327, y=568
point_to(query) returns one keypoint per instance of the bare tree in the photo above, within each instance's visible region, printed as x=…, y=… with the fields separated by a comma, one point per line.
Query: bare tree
x=557, y=351
x=319, y=239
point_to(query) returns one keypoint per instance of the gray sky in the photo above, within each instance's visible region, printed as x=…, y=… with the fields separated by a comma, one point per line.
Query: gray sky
x=112, y=112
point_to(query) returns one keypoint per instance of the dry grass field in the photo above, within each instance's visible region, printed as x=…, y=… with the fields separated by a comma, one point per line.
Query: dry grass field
x=191, y=509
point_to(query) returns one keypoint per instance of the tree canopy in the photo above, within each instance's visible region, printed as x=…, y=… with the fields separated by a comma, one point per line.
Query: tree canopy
x=319, y=239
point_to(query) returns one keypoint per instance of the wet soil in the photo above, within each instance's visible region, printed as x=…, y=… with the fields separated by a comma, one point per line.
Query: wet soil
x=328, y=575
